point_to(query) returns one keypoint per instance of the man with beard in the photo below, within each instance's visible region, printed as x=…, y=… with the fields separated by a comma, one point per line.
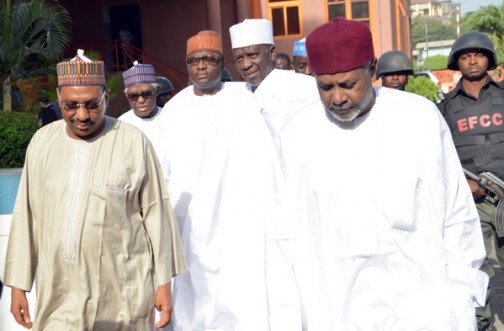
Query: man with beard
x=220, y=170
x=279, y=93
x=91, y=219
x=393, y=68
x=474, y=112
x=384, y=235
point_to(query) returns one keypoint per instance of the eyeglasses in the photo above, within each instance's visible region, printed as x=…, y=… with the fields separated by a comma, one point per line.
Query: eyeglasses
x=193, y=61
x=89, y=105
x=145, y=95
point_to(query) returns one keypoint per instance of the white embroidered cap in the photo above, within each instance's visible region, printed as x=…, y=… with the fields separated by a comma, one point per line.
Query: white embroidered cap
x=255, y=31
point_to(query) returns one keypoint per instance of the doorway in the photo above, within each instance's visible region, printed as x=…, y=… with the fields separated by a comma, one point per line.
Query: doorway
x=125, y=26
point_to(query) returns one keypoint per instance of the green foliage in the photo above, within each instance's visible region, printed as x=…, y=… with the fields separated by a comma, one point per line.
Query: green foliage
x=33, y=34
x=115, y=84
x=422, y=86
x=114, y=81
x=500, y=54
x=490, y=20
x=30, y=29
x=93, y=54
x=50, y=88
x=436, y=30
x=16, y=130
x=437, y=62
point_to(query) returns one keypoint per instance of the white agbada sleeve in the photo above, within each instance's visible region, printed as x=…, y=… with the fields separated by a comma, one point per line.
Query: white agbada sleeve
x=462, y=240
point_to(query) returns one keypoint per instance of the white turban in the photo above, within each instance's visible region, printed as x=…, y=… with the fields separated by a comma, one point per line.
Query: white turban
x=250, y=32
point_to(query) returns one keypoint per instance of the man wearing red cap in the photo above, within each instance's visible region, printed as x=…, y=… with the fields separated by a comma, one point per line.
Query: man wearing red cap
x=384, y=236
x=219, y=170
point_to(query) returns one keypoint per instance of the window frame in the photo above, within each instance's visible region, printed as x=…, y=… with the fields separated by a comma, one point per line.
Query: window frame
x=348, y=10
x=284, y=4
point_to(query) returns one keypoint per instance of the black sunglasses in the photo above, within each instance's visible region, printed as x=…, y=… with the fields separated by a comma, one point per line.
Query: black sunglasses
x=145, y=95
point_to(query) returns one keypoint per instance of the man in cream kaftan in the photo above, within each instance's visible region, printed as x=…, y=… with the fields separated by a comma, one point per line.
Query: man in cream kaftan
x=98, y=237
x=92, y=219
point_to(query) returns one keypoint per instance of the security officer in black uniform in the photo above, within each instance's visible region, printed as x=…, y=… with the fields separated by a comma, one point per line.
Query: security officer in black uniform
x=393, y=68
x=474, y=111
x=49, y=113
x=226, y=76
x=166, y=91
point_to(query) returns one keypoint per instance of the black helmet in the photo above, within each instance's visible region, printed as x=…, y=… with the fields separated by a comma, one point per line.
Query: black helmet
x=226, y=76
x=472, y=40
x=393, y=61
x=165, y=85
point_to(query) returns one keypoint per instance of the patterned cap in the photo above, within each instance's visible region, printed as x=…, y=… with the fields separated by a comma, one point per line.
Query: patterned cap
x=252, y=31
x=299, y=48
x=139, y=74
x=207, y=40
x=80, y=71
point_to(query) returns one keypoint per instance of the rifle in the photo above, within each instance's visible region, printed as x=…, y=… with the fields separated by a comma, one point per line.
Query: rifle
x=494, y=188
x=493, y=184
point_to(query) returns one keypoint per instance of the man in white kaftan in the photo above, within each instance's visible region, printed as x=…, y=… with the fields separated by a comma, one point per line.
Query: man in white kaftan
x=92, y=219
x=385, y=234
x=141, y=89
x=149, y=126
x=279, y=93
x=220, y=175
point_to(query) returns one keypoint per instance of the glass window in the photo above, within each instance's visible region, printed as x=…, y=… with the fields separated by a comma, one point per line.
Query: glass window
x=357, y=9
x=336, y=10
x=278, y=21
x=360, y=10
x=286, y=17
x=293, y=26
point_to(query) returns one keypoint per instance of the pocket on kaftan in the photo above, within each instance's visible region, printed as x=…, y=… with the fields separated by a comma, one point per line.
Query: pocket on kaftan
x=115, y=224
x=115, y=200
x=398, y=206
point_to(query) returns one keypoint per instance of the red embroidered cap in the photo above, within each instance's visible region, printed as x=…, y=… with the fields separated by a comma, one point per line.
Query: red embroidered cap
x=339, y=46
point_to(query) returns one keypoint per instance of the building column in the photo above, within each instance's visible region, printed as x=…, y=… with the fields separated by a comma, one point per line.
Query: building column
x=214, y=15
x=242, y=10
x=255, y=8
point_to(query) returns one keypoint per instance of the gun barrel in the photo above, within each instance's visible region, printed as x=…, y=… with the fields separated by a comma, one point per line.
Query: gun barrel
x=470, y=175
x=493, y=183
x=492, y=178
